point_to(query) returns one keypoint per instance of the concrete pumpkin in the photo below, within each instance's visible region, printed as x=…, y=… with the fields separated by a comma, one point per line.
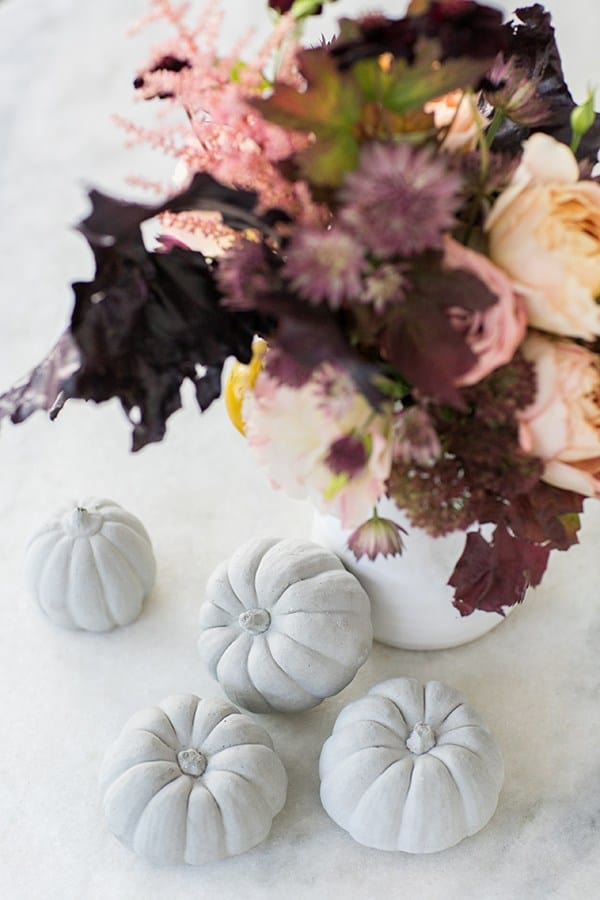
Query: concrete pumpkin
x=284, y=625
x=191, y=781
x=91, y=566
x=410, y=767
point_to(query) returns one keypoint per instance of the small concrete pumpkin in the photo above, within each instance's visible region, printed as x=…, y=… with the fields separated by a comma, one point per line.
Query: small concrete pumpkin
x=91, y=566
x=410, y=767
x=191, y=781
x=284, y=625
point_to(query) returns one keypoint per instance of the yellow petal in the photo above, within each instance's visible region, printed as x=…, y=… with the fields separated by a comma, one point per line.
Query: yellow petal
x=241, y=379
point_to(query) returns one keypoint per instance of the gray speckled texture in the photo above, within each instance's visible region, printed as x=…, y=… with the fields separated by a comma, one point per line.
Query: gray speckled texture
x=64, y=68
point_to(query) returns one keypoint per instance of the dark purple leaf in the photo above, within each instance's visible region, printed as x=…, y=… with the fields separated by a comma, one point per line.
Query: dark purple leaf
x=462, y=28
x=149, y=320
x=532, y=46
x=41, y=389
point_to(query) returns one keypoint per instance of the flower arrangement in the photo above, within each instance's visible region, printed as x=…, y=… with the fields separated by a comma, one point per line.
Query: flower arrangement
x=407, y=217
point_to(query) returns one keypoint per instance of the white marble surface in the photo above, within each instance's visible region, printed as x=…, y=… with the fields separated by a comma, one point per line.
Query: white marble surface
x=64, y=68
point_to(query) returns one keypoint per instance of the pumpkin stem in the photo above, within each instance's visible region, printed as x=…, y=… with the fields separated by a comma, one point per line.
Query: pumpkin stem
x=256, y=621
x=421, y=739
x=81, y=522
x=192, y=762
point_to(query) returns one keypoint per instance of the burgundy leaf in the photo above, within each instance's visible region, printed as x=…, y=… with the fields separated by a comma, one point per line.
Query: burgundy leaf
x=418, y=337
x=546, y=514
x=463, y=28
x=41, y=389
x=490, y=576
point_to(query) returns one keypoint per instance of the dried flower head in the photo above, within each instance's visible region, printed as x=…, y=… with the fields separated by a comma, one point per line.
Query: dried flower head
x=245, y=271
x=511, y=89
x=325, y=265
x=415, y=438
x=384, y=286
x=400, y=200
x=377, y=536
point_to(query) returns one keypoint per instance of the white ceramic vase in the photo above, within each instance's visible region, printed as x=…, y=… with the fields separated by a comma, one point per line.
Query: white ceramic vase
x=411, y=603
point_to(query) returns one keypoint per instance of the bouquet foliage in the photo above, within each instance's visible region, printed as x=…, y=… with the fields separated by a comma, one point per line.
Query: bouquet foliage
x=407, y=217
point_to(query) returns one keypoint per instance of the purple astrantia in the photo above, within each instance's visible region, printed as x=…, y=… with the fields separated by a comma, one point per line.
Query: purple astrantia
x=325, y=266
x=415, y=437
x=400, y=200
x=347, y=455
x=377, y=536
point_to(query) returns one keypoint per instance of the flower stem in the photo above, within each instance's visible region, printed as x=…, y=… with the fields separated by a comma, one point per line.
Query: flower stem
x=495, y=124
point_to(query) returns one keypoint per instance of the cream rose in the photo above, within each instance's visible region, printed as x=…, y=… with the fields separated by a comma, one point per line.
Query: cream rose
x=544, y=231
x=458, y=113
x=562, y=426
x=494, y=334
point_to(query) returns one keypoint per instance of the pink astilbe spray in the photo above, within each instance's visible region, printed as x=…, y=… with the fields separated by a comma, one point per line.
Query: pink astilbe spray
x=222, y=134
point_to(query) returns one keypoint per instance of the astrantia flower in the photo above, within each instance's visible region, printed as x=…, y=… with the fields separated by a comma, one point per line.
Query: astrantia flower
x=415, y=438
x=325, y=266
x=243, y=272
x=347, y=455
x=400, y=200
x=514, y=91
x=377, y=536
x=387, y=284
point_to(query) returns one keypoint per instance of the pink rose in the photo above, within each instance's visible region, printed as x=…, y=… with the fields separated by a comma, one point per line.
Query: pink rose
x=562, y=426
x=494, y=334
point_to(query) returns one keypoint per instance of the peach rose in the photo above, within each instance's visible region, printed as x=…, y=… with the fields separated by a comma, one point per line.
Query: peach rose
x=458, y=113
x=562, y=426
x=544, y=231
x=494, y=334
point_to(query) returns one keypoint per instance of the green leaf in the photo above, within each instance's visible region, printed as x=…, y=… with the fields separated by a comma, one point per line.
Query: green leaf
x=327, y=161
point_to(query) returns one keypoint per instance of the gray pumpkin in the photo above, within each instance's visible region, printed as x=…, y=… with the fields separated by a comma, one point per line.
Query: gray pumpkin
x=283, y=625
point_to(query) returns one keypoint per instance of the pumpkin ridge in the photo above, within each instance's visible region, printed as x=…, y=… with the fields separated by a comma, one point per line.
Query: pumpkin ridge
x=254, y=792
x=453, y=710
x=365, y=793
x=462, y=747
x=212, y=665
x=157, y=738
x=171, y=724
x=236, y=715
x=218, y=818
x=136, y=538
x=380, y=725
x=118, y=552
x=238, y=646
x=147, y=810
x=285, y=675
x=317, y=612
x=315, y=576
x=364, y=796
x=118, y=514
x=227, y=710
x=103, y=601
x=318, y=653
x=70, y=598
x=453, y=779
x=137, y=765
x=46, y=567
x=250, y=678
